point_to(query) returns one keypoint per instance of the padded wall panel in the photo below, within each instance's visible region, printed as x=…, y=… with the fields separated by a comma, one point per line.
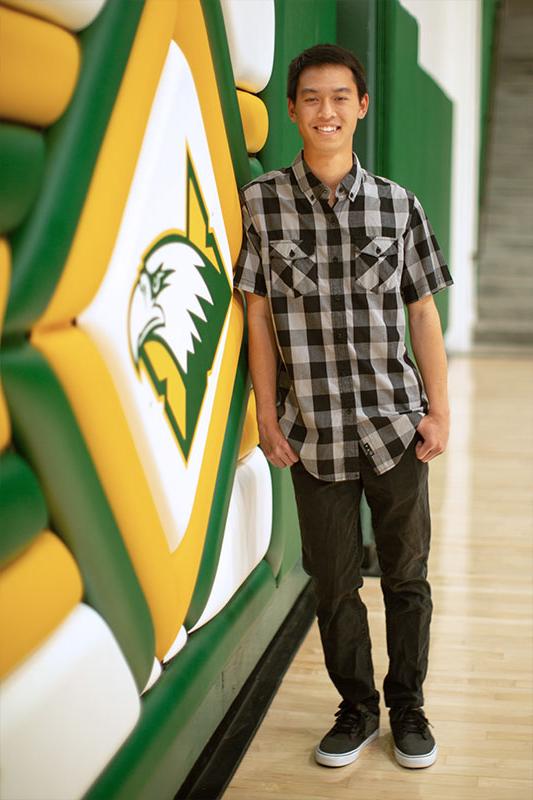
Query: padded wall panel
x=22, y=154
x=72, y=15
x=37, y=592
x=256, y=168
x=250, y=29
x=170, y=736
x=42, y=62
x=222, y=493
x=65, y=712
x=22, y=506
x=254, y=121
x=222, y=78
x=41, y=244
x=246, y=534
x=250, y=434
x=285, y=547
x=80, y=369
x=46, y=434
x=186, y=370
x=5, y=276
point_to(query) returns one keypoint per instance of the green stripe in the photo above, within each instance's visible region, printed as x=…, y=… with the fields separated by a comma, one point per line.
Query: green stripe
x=41, y=245
x=22, y=154
x=22, y=507
x=46, y=433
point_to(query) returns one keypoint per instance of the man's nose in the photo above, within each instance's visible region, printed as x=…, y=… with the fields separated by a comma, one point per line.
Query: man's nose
x=326, y=109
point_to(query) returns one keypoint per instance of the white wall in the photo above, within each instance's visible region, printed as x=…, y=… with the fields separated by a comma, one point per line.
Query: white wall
x=449, y=50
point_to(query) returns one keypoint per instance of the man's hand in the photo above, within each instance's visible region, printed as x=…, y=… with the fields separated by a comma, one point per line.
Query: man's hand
x=434, y=430
x=275, y=446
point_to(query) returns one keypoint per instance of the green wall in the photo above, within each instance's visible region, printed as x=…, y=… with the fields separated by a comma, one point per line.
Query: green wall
x=414, y=124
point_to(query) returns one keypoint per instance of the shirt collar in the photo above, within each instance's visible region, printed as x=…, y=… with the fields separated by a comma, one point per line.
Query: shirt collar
x=314, y=189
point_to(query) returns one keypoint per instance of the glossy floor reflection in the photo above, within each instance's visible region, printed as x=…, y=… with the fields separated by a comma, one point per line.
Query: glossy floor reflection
x=479, y=690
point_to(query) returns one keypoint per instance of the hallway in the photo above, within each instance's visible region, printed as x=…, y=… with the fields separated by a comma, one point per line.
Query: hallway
x=478, y=693
x=505, y=280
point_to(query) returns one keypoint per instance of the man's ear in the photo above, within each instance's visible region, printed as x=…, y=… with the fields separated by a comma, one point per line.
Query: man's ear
x=291, y=109
x=363, y=106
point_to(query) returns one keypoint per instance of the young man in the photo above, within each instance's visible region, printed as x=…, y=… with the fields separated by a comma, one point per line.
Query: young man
x=331, y=254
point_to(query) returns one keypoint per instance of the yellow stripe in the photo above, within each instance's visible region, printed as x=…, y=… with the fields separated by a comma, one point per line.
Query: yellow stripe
x=250, y=434
x=100, y=219
x=37, y=591
x=40, y=65
x=5, y=273
x=254, y=117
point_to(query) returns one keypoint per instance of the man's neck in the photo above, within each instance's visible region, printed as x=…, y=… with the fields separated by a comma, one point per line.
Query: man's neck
x=329, y=168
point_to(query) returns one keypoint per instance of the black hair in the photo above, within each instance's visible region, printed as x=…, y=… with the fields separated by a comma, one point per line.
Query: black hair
x=320, y=55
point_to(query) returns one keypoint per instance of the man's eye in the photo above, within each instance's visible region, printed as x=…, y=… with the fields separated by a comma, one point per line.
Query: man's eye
x=341, y=98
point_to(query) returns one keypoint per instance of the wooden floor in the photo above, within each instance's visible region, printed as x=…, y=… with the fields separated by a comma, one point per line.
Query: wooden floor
x=479, y=689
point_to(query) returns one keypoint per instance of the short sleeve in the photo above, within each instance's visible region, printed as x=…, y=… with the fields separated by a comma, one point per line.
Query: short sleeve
x=425, y=271
x=249, y=269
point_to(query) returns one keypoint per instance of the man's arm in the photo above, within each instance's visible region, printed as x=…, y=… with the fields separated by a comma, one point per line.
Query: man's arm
x=428, y=347
x=262, y=357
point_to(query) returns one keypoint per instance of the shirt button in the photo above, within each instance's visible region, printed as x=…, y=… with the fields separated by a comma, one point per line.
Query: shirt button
x=291, y=253
x=378, y=250
x=335, y=260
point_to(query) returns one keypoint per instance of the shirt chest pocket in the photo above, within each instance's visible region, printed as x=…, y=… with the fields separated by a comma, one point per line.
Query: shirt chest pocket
x=293, y=268
x=375, y=263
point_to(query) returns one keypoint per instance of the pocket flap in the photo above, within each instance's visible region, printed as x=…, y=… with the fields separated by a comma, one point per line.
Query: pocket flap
x=377, y=246
x=286, y=248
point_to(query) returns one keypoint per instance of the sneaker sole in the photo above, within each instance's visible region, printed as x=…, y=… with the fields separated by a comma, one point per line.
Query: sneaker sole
x=341, y=760
x=416, y=762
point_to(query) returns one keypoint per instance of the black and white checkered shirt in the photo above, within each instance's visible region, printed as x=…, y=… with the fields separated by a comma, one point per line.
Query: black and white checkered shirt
x=337, y=279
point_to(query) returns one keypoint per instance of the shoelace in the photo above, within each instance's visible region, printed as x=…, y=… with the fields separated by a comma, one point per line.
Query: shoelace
x=412, y=720
x=349, y=719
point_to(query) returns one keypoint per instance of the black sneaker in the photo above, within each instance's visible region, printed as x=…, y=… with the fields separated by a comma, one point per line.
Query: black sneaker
x=356, y=726
x=414, y=746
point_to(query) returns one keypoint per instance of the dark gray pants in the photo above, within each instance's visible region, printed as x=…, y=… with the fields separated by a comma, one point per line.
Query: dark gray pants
x=332, y=553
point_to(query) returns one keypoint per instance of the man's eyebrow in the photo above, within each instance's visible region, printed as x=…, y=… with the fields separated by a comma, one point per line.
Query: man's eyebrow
x=310, y=90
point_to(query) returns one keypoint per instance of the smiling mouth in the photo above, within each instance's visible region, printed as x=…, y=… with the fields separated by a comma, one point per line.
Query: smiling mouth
x=327, y=129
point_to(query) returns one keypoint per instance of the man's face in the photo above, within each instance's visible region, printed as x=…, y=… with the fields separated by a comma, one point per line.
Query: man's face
x=327, y=108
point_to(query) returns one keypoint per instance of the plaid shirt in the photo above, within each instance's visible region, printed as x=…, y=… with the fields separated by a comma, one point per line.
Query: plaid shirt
x=337, y=280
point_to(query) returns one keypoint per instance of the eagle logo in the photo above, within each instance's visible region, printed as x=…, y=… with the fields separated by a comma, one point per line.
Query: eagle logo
x=177, y=309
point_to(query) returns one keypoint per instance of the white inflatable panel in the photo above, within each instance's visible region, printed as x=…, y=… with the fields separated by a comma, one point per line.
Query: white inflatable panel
x=157, y=671
x=247, y=533
x=178, y=644
x=65, y=712
x=72, y=14
x=250, y=30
